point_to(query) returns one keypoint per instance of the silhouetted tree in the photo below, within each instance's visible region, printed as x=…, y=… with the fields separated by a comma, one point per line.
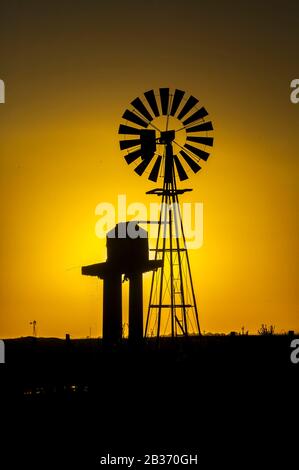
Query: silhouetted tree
x=243, y=332
x=266, y=330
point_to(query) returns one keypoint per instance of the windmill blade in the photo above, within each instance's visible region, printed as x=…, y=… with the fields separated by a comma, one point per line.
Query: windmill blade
x=128, y=130
x=126, y=144
x=201, y=140
x=164, y=97
x=151, y=99
x=193, y=165
x=137, y=103
x=198, y=152
x=177, y=98
x=132, y=156
x=191, y=101
x=205, y=126
x=181, y=172
x=140, y=169
x=155, y=170
x=201, y=113
x=129, y=116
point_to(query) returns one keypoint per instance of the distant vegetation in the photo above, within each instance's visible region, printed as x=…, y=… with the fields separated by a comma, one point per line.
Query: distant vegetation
x=266, y=330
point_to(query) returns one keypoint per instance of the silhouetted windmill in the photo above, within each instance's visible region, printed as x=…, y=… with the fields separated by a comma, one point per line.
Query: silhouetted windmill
x=171, y=133
x=33, y=323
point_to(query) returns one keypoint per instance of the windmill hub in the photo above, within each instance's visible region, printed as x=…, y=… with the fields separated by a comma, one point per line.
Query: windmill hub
x=167, y=137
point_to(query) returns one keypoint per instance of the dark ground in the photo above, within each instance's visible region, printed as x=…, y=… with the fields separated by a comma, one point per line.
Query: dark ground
x=232, y=399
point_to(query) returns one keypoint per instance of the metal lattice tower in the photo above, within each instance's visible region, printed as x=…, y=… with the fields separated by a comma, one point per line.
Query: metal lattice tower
x=172, y=295
x=167, y=122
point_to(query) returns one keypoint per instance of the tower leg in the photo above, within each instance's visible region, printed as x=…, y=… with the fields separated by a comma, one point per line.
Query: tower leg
x=112, y=309
x=135, y=308
x=172, y=304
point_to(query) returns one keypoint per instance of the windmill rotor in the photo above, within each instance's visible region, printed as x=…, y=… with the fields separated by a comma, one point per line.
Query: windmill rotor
x=162, y=122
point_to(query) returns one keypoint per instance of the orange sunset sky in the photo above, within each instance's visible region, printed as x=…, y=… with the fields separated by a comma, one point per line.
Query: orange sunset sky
x=70, y=70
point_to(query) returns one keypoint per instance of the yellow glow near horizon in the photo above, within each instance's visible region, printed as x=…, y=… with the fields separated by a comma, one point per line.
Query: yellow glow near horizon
x=241, y=273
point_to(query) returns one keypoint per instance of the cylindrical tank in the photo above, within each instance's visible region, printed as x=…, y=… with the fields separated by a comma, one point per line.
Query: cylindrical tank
x=127, y=246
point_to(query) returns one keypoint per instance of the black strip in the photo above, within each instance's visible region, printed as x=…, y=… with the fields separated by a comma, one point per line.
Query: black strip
x=205, y=126
x=140, y=169
x=132, y=156
x=191, y=101
x=128, y=130
x=155, y=170
x=200, y=153
x=201, y=140
x=137, y=103
x=126, y=144
x=201, y=113
x=129, y=116
x=193, y=165
x=164, y=96
x=182, y=174
x=177, y=98
x=150, y=96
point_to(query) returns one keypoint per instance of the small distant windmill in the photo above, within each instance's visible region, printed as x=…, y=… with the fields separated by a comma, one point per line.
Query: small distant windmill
x=171, y=136
x=33, y=323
